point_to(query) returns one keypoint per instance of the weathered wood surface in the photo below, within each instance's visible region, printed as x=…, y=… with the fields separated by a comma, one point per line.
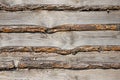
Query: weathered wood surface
x=85, y=34
x=61, y=75
x=79, y=65
x=82, y=60
x=43, y=49
x=51, y=19
x=83, y=5
x=62, y=28
x=6, y=65
x=63, y=40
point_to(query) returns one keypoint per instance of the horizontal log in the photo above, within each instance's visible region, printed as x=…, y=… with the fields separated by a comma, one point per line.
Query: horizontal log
x=50, y=64
x=42, y=60
x=6, y=65
x=105, y=59
x=51, y=19
x=59, y=50
x=68, y=27
x=103, y=56
x=60, y=74
x=87, y=5
x=63, y=40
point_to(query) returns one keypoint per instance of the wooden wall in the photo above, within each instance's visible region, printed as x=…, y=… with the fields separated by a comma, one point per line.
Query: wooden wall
x=59, y=39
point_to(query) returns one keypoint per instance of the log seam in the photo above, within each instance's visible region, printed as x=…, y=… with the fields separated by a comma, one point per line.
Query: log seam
x=58, y=7
x=79, y=65
x=48, y=49
x=61, y=28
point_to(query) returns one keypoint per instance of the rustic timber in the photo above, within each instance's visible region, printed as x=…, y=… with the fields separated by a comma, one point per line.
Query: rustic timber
x=103, y=56
x=62, y=28
x=42, y=59
x=61, y=51
x=81, y=5
x=63, y=40
x=50, y=64
x=59, y=39
x=22, y=29
x=7, y=65
x=51, y=19
x=61, y=74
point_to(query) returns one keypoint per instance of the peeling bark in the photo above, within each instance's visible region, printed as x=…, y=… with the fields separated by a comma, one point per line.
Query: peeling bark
x=61, y=51
x=59, y=7
x=36, y=64
x=68, y=27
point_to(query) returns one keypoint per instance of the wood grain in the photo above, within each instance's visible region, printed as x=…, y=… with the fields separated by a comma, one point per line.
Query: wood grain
x=82, y=5
x=63, y=40
x=51, y=19
x=7, y=65
x=61, y=74
x=82, y=60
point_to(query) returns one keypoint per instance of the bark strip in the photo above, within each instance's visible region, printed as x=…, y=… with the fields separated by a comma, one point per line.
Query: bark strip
x=61, y=51
x=51, y=64
x=59, y=7
x=61, y=28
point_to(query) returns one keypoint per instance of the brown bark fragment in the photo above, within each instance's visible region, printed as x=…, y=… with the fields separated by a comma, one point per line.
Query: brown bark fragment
x=110, y=48
x=77, y=27
x=19, y=29
x=45, y=49
x=67, y=27
x=57, y=7
x=51, y=64
x=61, y=51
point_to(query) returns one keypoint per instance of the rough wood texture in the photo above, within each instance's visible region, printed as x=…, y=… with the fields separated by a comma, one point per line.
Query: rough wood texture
x=51, y=64
x=61, y=75
x=79, y=61
x=59, y=50
x=63, y=40
x=56, y=18
x=62, y=28
x=82, y=60
x=7, y=65
x=59, y=39
x=82, y=5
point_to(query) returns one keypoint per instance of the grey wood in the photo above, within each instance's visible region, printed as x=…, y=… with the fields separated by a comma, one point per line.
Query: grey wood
x=66, y=2
x=79, y=5
x=105, y=57
x=61, y=74
x=55, y=18
x=64, y=40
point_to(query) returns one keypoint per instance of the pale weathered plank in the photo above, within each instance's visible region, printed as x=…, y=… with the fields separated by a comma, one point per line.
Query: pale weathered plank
x=63, y=40
x=67, y=2
x=60, y=4
x=55, y=18
x=61, y=75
